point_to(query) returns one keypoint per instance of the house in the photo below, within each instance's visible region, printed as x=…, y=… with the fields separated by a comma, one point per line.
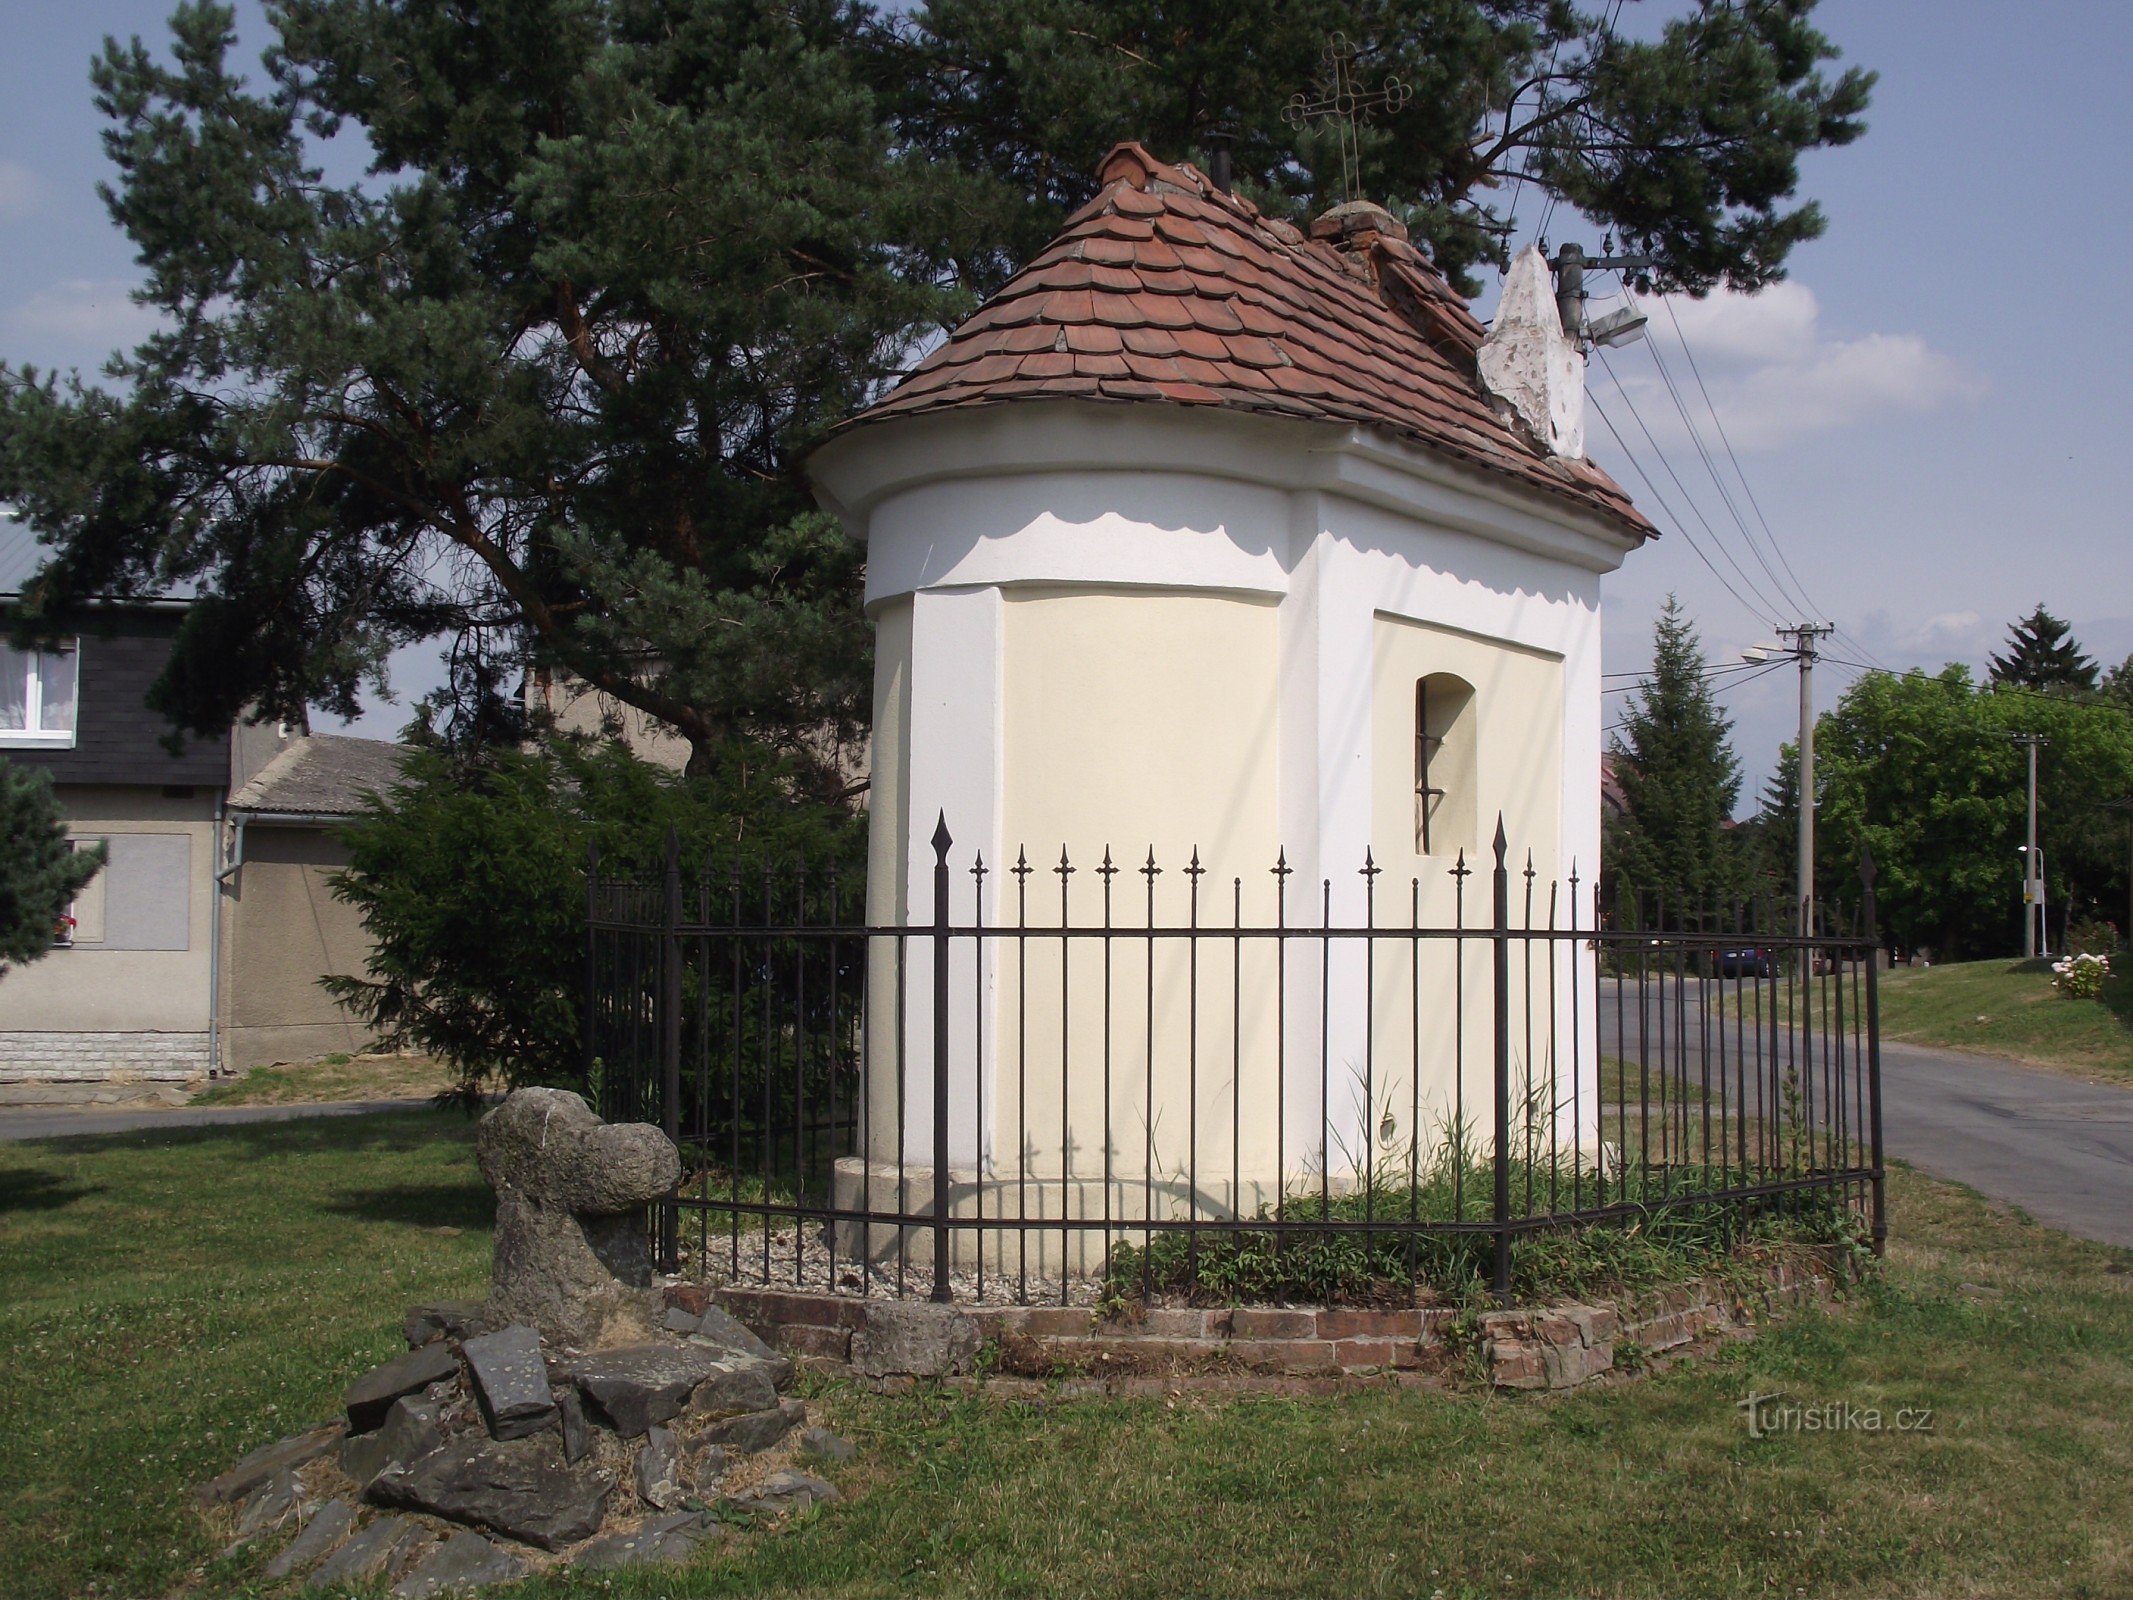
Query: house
x=1212, y=540
x=198, y=947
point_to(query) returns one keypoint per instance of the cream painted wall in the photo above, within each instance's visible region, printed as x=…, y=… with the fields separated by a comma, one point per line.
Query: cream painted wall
x=283, y=930
x=1416, y=1074
x=1143, y=625
x=1137, y=722
x=88, y=989
x=1518, y=727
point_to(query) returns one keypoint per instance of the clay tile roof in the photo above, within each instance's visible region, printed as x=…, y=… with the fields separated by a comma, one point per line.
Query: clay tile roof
x=1163, y=288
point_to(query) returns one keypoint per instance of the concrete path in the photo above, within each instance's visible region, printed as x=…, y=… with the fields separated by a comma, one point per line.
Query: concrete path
x=2057, y=1146
x=37, y=1122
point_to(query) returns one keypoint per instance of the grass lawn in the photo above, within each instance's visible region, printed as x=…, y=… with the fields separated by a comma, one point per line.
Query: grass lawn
x=175, y=1298
x=336, y=1077
x=2009, y=1008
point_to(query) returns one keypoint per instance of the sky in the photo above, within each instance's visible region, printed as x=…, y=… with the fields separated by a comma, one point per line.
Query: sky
x=1929, y=413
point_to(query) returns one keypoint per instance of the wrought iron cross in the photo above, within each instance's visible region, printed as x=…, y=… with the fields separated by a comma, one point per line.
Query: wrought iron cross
x=1344, y=105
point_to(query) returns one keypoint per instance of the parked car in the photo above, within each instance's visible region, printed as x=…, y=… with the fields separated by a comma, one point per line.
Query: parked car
x=1745, y=961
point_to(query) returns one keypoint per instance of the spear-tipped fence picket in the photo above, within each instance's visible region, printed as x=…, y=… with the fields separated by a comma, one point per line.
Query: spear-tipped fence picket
x=1355, y=1081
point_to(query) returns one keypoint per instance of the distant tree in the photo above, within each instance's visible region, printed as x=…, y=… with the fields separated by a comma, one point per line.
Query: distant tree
x=2117, y=685
x=40, y=871
x=2042, y=654
x=469, y=875
x=1679, y=780
x=1921, y=769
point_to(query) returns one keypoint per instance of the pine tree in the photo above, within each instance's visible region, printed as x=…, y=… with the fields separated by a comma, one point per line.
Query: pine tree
x=40, y=872
x=1671, y=846
x=1683, y=139
x=2042, y=655
x=545, y=379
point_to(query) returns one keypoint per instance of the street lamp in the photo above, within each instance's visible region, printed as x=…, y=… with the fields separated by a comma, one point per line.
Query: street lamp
x=2033, y=896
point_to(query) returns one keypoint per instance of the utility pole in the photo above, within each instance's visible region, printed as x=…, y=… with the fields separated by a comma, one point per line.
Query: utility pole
x=1802, y=638
x=2034, y=937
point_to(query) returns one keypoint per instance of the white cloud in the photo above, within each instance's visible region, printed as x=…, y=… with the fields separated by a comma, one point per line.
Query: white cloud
x=77, y=322
x=1774, y=375
x=21, y=192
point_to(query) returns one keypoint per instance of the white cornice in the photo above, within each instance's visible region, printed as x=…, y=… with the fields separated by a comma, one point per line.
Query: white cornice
x=856, y=471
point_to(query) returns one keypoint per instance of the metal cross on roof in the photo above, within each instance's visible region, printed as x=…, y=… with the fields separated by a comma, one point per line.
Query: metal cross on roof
x=1344, y=105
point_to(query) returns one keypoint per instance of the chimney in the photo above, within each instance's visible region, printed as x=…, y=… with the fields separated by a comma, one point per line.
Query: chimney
x=1357, y=225
x=1219, y=142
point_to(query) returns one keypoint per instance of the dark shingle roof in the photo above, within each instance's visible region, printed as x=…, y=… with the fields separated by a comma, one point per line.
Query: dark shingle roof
x=322, y=774
x=1163, y=288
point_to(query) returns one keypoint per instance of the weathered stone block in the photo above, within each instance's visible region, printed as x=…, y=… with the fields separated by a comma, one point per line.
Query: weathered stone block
x=657, y=1469
x=577, y=1430
x=660, y=1541
x=284, y=1455
x=755, y=1430
x=521, y=1488
x=270, y=1505
x=829, y=1446
x=920, y=1340
x=321, y=1534
x=721, y=1328
x=510, y=1381
x=443, y=1319
x=464, y=1562
x=784, y=1491
x=411, y=1430
x=638, y=1385
x=372, y=1395
x=370, y=1554
x=729, y=1394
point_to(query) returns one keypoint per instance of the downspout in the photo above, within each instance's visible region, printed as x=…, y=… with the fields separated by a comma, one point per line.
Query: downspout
x=214, y=949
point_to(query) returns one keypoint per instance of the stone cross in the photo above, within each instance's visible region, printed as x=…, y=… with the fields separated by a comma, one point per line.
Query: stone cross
x=570, y=1192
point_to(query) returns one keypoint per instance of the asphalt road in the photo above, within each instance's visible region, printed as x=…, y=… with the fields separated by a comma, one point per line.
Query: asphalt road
x=35, y=1122
x=2058, y=1147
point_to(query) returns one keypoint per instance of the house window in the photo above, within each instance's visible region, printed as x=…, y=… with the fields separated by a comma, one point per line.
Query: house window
x=37, y=696
x=1444, y=764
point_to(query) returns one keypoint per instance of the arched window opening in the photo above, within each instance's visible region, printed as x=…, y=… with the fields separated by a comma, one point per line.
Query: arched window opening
x=1444, y=764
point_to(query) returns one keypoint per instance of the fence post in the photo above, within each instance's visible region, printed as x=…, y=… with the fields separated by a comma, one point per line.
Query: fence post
x=941, y=842
x=589, y=1001
x=670, y=1040
x=1500, y=947
x=1870, y=911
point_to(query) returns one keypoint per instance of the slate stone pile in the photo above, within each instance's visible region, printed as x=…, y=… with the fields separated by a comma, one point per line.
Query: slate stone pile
x=483, y=1452
x=574, y=1418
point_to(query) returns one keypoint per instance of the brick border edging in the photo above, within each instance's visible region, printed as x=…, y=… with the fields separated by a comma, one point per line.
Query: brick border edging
x=1246, y=1349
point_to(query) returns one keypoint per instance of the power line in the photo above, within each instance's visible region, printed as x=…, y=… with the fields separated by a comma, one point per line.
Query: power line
x=1759, y=608
x=1762, y=670
x=1725, y=439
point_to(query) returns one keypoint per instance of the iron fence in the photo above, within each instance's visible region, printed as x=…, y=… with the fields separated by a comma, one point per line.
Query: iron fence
x=1050, y=1085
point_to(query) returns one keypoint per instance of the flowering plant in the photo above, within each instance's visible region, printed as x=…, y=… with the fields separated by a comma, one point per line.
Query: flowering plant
x=2081, y=977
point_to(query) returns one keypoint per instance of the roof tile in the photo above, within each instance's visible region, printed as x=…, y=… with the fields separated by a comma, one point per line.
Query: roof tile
x=1164, y=289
